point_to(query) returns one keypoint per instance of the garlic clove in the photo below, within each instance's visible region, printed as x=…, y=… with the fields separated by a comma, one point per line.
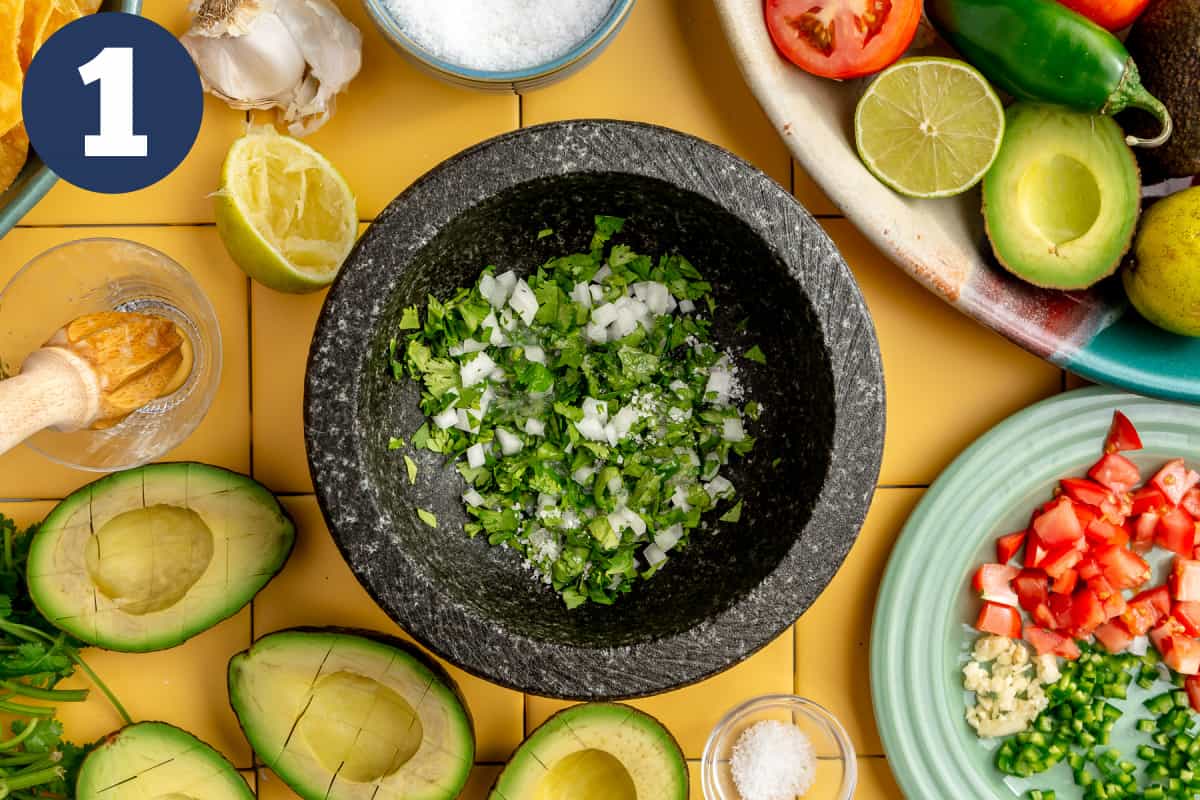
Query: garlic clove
x=261, y=65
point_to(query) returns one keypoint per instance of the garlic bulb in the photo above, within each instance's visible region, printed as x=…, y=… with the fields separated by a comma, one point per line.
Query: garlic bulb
x=295, y=55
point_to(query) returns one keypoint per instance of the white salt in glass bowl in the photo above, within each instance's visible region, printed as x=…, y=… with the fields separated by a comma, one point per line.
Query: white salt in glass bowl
x=522, y=80
x=837, y=765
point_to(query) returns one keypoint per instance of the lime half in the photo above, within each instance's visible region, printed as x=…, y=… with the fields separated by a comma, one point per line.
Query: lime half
x=285, y=214
x=929, y=127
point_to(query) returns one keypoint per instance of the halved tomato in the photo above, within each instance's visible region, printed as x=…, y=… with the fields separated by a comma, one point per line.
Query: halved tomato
x=842, y=38
x=1116, y=472
x=994, y=584
x=1045, y=641
x=1185, y=580
x=1175, y=480
x=999, y=620
x=1121, y=433
x=1007, y=546
x=1114, y=636
x=1058, y=525
x=1032, y=589
x=1177, y=532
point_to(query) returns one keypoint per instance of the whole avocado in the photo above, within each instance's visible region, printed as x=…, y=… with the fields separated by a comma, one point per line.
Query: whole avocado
x=1165, y=45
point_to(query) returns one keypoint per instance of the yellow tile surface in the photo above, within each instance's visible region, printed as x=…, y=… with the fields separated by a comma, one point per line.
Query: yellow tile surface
x=223, y=436
x=691, y=713
x=317, y=588
x=833, y=637
x=949, y=379
x=694, y=84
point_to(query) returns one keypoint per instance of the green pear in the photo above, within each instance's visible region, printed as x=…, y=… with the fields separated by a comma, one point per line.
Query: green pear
x=1163, y=277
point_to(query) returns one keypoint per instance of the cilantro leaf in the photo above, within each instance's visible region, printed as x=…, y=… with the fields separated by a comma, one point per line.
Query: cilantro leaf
x=755, y=354
x=427, y=517
x=409, y=319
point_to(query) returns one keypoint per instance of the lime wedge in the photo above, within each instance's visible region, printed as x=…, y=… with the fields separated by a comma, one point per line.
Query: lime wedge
x=284, y=212
x=929, y=127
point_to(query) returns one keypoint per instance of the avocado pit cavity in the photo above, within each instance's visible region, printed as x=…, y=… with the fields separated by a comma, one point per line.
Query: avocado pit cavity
x=147, y=559
x=588, y=775
x=1060, y=197
x=358, y=728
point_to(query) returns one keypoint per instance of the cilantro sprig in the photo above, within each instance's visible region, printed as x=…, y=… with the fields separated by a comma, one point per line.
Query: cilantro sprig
x=587, y=407
x=36, y=761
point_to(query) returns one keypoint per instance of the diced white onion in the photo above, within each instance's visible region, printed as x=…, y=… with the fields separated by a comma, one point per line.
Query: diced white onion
x=591, y=429
x=1140, y=645
x=671, y=304
x=606, y=314
x=602, y=273
x=472, y=346
x=508, y=320
x=476, y=369
x=472, y=498
x=509, y=442
x=657, y=298
x=497, y=374
x=456, y=350
x=667, y=538
x=535, y=354
x=679, y=499
x=583, y=475
x=581, y=295
x=507, y=281
x=446, y=419
x=653, y=555
x=615, y=484
x=732, y=430
x=595, y=408
x=546, y=500
x=718, y=487
x=597, y=293
x=597, y=334
x=624, y=420
x=464, y=422
x=535, y=427
x=492, y=291
x=485, y=402
x=476, y=456
x=686, y=306
x=720, y=381
x=524, y=302
x=610, y=434
x=496, y=336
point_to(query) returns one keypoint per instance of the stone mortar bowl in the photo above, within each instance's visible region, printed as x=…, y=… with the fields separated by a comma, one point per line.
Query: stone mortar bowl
x=806, y=485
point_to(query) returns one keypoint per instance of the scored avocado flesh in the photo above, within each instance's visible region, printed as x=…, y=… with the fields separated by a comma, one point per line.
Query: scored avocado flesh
x=345, y=717
x=144, y=559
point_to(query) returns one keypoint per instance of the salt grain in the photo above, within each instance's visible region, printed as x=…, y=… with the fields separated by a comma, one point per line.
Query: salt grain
x=499, y=35
x=773, y=760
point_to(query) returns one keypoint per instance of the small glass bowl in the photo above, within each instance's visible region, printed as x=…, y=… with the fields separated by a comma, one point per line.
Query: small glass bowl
x=837, y=766
x=91, y=275
x=522, y=80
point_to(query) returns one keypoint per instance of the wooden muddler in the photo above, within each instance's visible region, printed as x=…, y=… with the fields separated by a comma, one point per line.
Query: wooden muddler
x=93, y=372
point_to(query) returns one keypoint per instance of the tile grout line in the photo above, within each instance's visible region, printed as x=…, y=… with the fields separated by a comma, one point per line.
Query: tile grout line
x=250, y=406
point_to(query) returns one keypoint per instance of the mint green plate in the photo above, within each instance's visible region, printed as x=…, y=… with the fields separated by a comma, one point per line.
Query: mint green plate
x=921, y=633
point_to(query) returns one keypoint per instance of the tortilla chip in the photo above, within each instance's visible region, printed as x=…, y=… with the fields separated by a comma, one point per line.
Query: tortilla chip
x=12, y=12
x=33, y=29
x=14, y=149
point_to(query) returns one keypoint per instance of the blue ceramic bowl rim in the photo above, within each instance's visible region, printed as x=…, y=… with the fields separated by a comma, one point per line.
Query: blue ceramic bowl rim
x=390, y=27
x=36, y=179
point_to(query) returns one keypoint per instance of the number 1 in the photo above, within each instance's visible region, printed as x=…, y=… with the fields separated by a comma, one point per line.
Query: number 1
x=113, y=68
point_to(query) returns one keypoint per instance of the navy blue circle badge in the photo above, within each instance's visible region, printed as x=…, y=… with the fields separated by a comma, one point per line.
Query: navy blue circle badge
x=112, y=103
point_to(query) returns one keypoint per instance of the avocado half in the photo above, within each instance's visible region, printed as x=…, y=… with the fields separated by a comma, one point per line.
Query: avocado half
x=350, y=715
x=596, y=751
x=1062, y=199
x=157, y=761
x=144, y=559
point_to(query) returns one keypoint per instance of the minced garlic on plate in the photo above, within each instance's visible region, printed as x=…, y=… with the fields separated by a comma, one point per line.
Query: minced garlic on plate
x=1007, y=683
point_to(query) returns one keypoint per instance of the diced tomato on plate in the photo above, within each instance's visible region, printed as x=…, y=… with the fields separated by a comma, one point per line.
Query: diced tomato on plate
x=1115, y=637
x=1059, y=562
x=1192, y=685
x=1032, y=589
x=1122, y=435
x=1000, y=620
x=1187, y=615
x=1087, y=612
x=1047, y=641
x=1191, y=503
x=1008, y=546
x=1185, y=580
x=1145, y=610
x=1177, y=532
x=1058, y=525
x=1175, y=480
x=1149, y=498
x=1116, y=472
x=1123, y=568
x=994, y=583
x=1181, y=653
x=1066, y=583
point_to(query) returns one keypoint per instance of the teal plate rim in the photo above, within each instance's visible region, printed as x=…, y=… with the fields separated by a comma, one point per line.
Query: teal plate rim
x=36, y=179
x=918, y=628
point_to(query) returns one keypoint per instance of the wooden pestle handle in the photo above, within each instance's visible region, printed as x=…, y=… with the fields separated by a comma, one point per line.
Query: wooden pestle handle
x=56, y=389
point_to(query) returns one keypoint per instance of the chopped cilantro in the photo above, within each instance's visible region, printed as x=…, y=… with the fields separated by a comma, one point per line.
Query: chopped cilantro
x=544, y=232
x=756, y=354
x=427, y=517
x=412, y=468
x=410, y=320
x=734, y=514
x=395, y=443
x=586, y=417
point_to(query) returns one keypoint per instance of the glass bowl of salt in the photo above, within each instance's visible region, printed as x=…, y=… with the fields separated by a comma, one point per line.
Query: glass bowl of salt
x=779, y=747
x=499, y=45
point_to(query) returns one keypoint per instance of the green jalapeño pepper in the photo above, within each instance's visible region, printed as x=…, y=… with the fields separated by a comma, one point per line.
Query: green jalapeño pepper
x=1042, y=51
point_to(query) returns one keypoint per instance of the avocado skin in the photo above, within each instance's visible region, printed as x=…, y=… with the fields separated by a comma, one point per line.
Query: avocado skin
x=1165, y=45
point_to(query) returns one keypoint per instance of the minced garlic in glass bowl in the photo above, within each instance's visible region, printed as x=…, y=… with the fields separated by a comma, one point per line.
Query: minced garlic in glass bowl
x=1008, y=685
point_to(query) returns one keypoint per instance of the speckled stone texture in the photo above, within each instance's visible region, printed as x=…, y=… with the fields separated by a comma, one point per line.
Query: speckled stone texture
x=735, y=588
